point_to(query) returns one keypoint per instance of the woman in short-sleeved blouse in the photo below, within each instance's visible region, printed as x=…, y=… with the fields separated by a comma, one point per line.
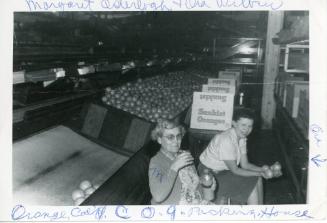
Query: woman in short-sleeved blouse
x=226, y=156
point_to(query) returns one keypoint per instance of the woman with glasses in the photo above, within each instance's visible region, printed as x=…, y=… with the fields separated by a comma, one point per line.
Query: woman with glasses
x=172, y=175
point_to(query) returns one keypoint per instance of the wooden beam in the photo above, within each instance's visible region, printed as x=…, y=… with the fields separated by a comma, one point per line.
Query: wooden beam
x=271, y=69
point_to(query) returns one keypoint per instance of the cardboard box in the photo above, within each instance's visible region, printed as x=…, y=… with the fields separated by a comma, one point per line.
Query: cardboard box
x=237, y=69
x=212, y=111
x=218, y=89
x=236, y=75
x=302, y=120
x=231, y=75
x=221, y=82
x=19, y=77
x=292, y=97
x=40, y=75
x=282, y=79
x=86, y=70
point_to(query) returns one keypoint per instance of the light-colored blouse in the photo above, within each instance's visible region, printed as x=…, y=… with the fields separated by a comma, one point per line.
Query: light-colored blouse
x=224, y=146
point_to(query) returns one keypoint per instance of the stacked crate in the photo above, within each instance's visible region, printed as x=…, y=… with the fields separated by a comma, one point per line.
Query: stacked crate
x=292, y=96
x=18, y=77
x=302, y=118
x=235, y=75
x=40, y=75
x=212, y=109
x=280, y=83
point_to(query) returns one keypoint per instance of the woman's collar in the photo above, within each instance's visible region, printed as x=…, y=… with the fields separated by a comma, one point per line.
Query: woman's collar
x=167, y=154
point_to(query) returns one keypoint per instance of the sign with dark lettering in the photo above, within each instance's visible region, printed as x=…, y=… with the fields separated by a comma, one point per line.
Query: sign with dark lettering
x=221, y=82
x=236, y=75
x=212, y=111
x=218, y=89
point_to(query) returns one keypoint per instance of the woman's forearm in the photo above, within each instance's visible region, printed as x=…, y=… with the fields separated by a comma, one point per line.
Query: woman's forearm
x=252, y=167
x=246, y=172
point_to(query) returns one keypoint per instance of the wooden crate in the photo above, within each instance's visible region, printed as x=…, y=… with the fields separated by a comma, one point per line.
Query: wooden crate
x=282, y=81
x=292, y=97
x=302, y=120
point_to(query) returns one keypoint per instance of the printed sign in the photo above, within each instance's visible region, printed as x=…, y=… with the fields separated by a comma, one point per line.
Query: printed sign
x=231, y=75
x=221, y=82
x=218, y=89
x=212, y=111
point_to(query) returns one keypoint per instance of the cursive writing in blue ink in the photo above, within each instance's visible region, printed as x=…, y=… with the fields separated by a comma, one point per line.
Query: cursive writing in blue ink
x=98, y=212
x=35, y=5
x=19, y=212
x=220, y=212
x=271, y=211
x=191, y=4
x=135, y=5
x=155, y=172
x=268, y=212
x=148, y=212
x=122, y=212
x=269, y=4
x=316, y=131
x=317, y=161
x=172, y=212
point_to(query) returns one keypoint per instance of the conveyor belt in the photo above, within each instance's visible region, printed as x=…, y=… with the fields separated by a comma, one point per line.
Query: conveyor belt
x=49, y=166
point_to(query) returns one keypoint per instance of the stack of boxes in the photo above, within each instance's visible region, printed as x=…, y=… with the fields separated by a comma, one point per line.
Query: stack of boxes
x=293, y=92
x=212, y=109
x=302, y=118
x=280, y=83
x=235, y=75
x=220, y=86
x=292, y=96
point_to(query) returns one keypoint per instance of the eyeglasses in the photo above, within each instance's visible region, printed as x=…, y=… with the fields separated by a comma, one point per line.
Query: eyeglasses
x=172, y=137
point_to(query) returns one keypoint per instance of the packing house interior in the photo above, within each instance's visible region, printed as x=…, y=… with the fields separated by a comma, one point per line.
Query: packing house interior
x=179, y=108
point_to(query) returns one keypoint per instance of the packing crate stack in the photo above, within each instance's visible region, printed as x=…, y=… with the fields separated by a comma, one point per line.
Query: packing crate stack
x=212, y=109
x=302, y=118
x=293, y=93
x=292, y=96
x=280, y=83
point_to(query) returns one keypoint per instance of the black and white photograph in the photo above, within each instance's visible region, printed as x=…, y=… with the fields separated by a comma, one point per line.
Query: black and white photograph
x=198, y=108
x=104, y=102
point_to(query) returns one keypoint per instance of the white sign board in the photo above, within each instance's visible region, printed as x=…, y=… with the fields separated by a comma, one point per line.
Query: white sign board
x=218, y=89
x=212, y=111
x=221, y=82
x=231, y=75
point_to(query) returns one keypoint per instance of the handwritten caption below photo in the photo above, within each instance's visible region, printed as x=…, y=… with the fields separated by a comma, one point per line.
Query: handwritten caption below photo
x=171, y=213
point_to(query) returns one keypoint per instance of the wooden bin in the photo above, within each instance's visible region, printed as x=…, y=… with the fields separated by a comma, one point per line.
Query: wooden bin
x=121, y=131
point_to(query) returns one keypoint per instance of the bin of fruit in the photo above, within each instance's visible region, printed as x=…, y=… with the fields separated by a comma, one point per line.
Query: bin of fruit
x=158, y=97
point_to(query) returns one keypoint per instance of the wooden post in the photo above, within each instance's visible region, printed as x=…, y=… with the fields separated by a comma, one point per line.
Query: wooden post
x=271, y=69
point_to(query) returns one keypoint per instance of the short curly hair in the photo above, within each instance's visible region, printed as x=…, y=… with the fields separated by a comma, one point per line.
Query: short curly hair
x=163, y=124
x=243, y=113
